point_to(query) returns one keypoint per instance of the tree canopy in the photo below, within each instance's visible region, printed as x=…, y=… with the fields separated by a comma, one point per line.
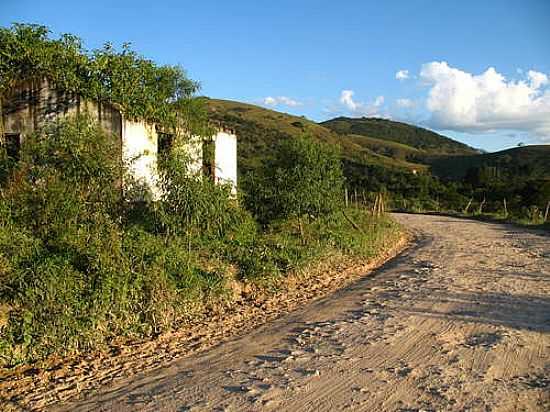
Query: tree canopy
x=135, y=85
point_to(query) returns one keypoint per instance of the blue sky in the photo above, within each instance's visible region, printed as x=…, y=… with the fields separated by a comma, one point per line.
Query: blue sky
x=476, y=70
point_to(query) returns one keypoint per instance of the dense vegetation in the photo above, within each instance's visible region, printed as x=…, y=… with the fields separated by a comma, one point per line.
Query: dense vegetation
x=303, y=178
x=81, y=265
x=87, y=257
x=136, y=86
x=527, y=162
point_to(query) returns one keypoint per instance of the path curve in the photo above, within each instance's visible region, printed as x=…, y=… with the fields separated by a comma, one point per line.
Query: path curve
x=460, y=321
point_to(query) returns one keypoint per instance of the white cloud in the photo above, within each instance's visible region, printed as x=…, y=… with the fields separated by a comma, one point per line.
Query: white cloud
x=537, y=79
x=346, y=98
x=360, y=108
x=486, y=102
x=379, y=101
x=281, y=100
x=402, y=75
x=405, y=103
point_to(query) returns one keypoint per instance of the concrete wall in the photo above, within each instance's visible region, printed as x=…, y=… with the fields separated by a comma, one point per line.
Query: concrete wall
x=31, y=104
x=226, y=159
x=140, y=149
x=193, y=149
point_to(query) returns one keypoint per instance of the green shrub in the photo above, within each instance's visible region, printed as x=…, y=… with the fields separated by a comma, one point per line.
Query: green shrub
x=194, y=206
x=303, y=178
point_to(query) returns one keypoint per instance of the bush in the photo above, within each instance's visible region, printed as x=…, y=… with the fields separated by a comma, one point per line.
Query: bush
x=194, y=206
x=303, y=178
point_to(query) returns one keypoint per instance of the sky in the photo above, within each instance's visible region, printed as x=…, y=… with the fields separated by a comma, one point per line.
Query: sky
x=476, y=71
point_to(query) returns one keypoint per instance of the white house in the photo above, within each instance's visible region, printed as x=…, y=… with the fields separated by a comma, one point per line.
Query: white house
x=31, y=104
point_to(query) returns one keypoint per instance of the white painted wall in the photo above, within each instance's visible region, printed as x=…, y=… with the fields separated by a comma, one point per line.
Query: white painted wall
x=226, y=159
x=139, y=139
x=139, y=148
x=193, y=149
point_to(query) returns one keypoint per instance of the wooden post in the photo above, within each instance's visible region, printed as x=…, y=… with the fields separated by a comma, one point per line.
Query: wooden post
x=379, y=207
x=301, y=227
x=346, y=195
x=481, y=206
x=465, y=211
x=547, y=211
x=505, y=209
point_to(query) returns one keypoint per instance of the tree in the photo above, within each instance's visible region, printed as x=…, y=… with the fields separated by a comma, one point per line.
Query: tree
x=136, y=86
x=303, y=178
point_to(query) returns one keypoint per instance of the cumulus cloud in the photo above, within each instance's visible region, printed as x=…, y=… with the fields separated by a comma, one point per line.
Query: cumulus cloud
x=537, y=79
x=379, y=101
x=281, y=100
x=346, y=98
x=402, y=75
x=405, y=103
x=486, y=102
x=357, y=108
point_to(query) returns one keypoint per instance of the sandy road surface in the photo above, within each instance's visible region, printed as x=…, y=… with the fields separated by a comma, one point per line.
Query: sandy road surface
x=461, y=321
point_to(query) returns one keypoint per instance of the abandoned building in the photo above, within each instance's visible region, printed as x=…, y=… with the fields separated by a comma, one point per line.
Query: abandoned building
x=29, y=106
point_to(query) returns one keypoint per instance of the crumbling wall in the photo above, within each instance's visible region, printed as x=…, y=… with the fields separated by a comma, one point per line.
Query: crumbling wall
x=226, y=158
x=30, y=104
x=140, y=149
x=194, y=150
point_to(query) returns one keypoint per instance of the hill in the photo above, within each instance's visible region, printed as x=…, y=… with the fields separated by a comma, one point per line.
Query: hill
x=531, y=162
x=259, y=129
x=373, y=142
x=430, y=143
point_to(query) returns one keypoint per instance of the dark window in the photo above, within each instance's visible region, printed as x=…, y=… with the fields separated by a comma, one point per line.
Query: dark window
x=208, y=159
x=165, y=142
x=12, y=144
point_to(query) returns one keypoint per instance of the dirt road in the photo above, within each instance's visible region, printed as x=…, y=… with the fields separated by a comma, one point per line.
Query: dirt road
x=460, y=321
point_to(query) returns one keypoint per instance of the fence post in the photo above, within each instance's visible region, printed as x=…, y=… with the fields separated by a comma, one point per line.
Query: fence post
x=505, y=209
x=465, y=211
x=346, y=195
x=547, y=211
x=481, y=206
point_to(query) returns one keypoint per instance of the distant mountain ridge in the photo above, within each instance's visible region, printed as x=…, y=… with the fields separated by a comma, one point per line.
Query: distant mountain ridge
x=528, y=161
x=423, y=139
x=259, y=129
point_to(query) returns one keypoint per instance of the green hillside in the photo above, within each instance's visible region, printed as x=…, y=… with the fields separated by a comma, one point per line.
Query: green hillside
x=527, y=161
x=431, y=143
x=388, y=148
x=259, y=129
